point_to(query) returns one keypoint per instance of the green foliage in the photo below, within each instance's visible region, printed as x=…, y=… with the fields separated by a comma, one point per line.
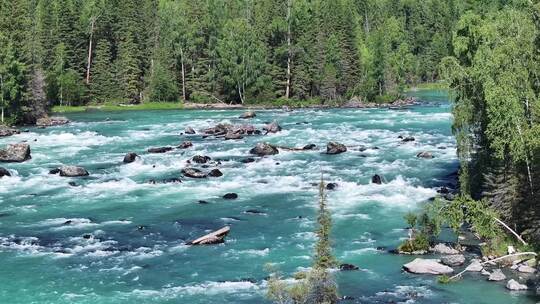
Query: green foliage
x=419, y=243
x=443, y=279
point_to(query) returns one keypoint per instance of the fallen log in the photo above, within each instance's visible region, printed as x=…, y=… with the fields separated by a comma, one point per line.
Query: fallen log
x=215, y=237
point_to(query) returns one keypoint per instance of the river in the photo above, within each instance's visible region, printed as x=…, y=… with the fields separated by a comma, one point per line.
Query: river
x=113, y=237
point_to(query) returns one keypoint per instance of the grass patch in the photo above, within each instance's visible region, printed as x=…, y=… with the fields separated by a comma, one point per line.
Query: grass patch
x=428, y=86
x=120, y=107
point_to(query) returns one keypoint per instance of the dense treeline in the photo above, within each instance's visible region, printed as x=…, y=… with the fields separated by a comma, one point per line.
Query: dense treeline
x=93, y=51
x=495, y=72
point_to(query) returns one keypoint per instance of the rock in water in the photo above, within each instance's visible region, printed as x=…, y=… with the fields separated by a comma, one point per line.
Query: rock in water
x=215, y=237
x=15, y=153
x=189, y=130
x=72, y=171
x=185, y=145
x=443, y=249
x=130, y=157
x=309, y=147
x=348, y=267
x=160, y=150
x=215, y=173
x=331, y=186
x=497, y=275
x=193, y=173
x=4, y=172
x=453, y=260
x=233, y=136
x=274, y=127
x=262, y=149
x=248, y=114
x=515, y=285
x=51, y=121
x=199, y=159
x=230, y=196
x=427, y=266
x=424, y=154
x=5, y=131
x=376, y=179
x=475, y=266
x=408, y=139
x=335, y=148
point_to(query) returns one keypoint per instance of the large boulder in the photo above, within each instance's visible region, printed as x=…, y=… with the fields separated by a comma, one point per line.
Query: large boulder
x=497, y=275
x=515, y=285
x=72, y=171
x=273, y=127
x=248, y=114
x=215, y=173
x=526, y=269
x=262, y=149
x=130, y=157
x=4, y=172
x=453, y=260
x=15, y=153
x=335, y=148
x=51, y=121
x=427, y=266
x=348, y=267
x=475, y=266
x=193, y=173
x=5, y=131
x=233, y=136
x=160, y=150
x=215, y=237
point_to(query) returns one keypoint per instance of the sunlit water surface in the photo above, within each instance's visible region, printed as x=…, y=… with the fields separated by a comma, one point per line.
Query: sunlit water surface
x=43, y=260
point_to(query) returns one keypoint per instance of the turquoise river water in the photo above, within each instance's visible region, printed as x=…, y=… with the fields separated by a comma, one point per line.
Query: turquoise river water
x=125, y=239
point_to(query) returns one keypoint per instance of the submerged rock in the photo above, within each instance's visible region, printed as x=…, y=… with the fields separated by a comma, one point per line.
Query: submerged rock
x=51, y=121
x=497, y=275
x=408, y=139
x=348, y=267
x=4, y=172
x=453, y=260
x=515, y=285
x=130, y=157
x=262, y=149
x=72, y=171
x=248, y=114
x=335, y=148
x=15, y=153
x=309, y=147
x=6, y=131
x=185, y=145
x=230, y=196
x=376, y=179
x=427, y=266
x=160, y=150
x=190, y=131
x=248, y=160
x=193, y=173
x=273, y=127
x=424, y=154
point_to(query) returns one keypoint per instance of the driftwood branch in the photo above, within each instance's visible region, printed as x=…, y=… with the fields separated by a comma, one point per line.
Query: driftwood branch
x=512, y=231
x=495, y=260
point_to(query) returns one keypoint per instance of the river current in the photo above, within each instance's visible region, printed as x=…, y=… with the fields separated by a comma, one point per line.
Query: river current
x=113, y=237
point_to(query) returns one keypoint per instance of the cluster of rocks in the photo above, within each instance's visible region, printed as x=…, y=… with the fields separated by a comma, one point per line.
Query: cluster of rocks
x=450, y=257
x=6, y=131
x=359, y=103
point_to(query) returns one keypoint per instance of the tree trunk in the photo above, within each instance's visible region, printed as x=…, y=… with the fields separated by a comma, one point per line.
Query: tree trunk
x=92, y=24
x=183, y=74
x=288, y=88
x=2, y=94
